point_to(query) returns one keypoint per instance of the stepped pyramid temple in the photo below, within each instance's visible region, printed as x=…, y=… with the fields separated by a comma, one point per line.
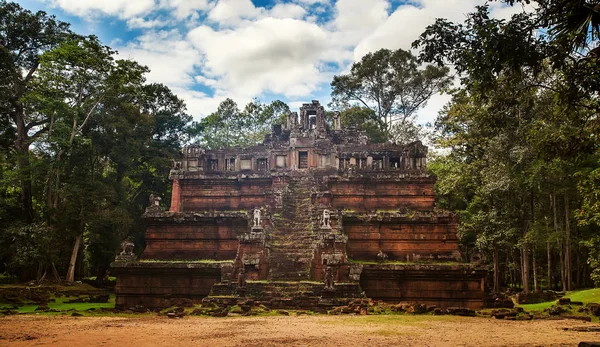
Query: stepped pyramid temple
x=311, y=218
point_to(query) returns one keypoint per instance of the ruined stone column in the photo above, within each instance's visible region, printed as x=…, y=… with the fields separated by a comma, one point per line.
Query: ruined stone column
x=176, y=196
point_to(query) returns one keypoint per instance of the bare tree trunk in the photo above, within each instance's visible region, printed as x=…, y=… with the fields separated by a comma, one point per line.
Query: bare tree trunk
x=553, y=195
x=535, y=275
x=55, y=272
x=73, y=261
x=496, y=270
x=578, y=261
x=24, y=166
x=525, y=261
x=38, y=276
x=563, y=277
x=568, y=245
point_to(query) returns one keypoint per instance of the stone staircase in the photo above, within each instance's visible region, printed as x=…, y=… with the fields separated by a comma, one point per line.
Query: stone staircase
x=296, y=295
x=293, y=239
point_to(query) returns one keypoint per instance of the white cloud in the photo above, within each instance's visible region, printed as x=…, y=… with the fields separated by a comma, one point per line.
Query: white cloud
x=275, y=55
x=312, y=2
x=353, y=15
x=141, y=23
x=233, y=12
x=243, y=51
x=184, y=8
x=409, y=21
x=119, y=8
x=287, y=11
x=130, y=9
x=170, y=58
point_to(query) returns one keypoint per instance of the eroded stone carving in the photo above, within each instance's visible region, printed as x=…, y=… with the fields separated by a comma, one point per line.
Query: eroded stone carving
x=126, y=254
x=257, y=220
x=381, y=257
x=241, y=280
x=326, y=220
x=337, y=121
x=155, y=200
x=127, y=247
x=329, y=282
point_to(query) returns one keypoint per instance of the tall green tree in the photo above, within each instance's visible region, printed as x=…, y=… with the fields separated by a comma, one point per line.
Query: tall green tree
x=519, y=128
x=229, y=126
x=24, y=36
x=392, y=84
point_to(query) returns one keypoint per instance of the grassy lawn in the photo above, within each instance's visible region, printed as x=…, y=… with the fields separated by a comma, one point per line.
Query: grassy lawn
x=585, y=296
x=61, y=305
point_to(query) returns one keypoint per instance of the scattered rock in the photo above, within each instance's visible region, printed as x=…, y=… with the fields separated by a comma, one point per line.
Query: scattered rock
x=525, y=317
x=593, y=308
x=498, y=300
x=555, y=310
x=461, y=311
x=103, y=298
x=595, y=329
x=564, y=301
x=138, y=309
x=537, y=296
x=283, y=312
x=581, y=318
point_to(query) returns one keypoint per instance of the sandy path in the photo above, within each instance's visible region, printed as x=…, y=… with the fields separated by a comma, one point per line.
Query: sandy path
x=281, y=330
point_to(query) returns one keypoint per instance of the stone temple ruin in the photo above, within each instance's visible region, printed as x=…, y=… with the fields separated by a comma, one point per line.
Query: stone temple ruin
x=311, y=218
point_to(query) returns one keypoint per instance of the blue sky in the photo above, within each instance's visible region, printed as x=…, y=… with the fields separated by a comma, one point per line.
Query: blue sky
x=208, y=50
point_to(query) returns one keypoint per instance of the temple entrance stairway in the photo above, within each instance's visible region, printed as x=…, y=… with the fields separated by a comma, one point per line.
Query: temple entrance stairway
x=293, y=238
x=299, y=295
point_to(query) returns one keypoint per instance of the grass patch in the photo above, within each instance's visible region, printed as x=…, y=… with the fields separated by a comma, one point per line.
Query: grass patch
x=61, y=304
x=586, y=296
x=537, y=307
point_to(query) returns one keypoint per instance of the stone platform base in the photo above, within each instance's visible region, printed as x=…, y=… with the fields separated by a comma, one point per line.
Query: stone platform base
x=160, y=284
x=163, y=284
x=443, y=285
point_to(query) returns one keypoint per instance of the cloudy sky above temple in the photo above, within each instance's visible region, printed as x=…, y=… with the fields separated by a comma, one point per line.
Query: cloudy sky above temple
x=208, y=50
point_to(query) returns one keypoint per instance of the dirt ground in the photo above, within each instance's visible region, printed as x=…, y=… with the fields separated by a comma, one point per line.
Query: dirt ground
x=320, y=330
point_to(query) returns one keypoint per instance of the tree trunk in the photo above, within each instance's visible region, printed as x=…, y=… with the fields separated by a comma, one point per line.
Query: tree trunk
x=568, y=245
x=525, y=261
x=38, y=276
x=496, y=270
x=22, y=150
x=535, y=275
x=578, y=262
x=549, y=249
x=563, y=278
x=73, y=261
x=54, y=272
